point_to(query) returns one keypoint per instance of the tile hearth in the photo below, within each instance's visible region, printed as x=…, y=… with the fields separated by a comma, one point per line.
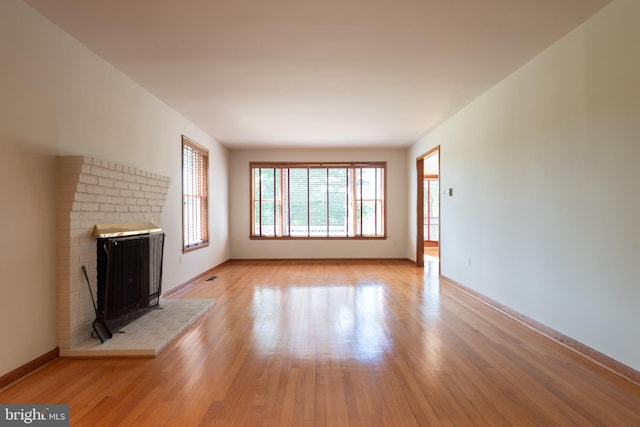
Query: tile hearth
x=148, y=335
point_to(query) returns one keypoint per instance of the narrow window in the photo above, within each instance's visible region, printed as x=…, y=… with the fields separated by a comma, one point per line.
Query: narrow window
x=318, y=200
x=195, y=195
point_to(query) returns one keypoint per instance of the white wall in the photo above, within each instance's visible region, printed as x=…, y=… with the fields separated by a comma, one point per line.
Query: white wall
x=545, y=169
x=244, y=248
x=57, y=97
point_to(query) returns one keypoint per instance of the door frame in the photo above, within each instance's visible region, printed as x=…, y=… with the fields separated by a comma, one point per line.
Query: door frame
x=420, y=206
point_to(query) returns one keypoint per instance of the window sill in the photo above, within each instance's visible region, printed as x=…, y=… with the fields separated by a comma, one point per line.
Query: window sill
x=193, y=248
x=317, y=238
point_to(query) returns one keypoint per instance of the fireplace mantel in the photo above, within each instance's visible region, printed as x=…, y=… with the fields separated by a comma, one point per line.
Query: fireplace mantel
x=124, y=229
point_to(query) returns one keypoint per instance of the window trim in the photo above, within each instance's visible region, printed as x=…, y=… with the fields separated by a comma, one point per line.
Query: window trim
x=311, y=165
x=200, y=150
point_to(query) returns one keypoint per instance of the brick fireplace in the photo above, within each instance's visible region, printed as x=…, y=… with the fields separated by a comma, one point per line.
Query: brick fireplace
x=92, y=191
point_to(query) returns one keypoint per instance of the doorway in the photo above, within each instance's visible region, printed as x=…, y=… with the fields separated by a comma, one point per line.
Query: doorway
x=428, y=204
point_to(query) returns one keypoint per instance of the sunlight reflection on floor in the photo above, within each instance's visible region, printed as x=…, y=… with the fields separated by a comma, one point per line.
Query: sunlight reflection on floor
x=345, y=321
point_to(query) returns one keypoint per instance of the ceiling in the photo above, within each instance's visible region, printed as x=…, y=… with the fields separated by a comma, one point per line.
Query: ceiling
x=303, y=73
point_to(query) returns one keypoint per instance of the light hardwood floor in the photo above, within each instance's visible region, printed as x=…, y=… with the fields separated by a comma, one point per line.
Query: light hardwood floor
x=431, y=252
x=340, y=344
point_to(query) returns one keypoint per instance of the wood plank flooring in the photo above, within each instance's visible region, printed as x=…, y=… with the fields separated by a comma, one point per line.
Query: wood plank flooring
x=339, y=344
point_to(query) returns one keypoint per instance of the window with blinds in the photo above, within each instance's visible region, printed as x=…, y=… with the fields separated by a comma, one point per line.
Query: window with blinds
x=318, y=200
x=195, y=195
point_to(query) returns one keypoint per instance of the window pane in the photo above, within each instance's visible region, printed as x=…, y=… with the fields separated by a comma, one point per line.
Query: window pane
x=257, y=205
x=267, y=210
x=298, y=202
x=318, y=202
x=338, y=202
x=431, y=209
x=371, y=192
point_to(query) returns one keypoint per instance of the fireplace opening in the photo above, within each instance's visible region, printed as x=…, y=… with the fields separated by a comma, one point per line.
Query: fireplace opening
x=129, y=264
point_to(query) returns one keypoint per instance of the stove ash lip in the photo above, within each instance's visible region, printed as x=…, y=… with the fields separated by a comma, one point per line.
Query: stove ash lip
x=101, y=231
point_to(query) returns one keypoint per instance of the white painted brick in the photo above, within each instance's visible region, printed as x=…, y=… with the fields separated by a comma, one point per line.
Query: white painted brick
x=62, y=249
x=134, y=187
x=99, y=171
x=119, y=200
x=88, y=179
x=62, y=270
x=64, y=334
x=63, y=261
x=106, y=182
x=103, y=198
x=142, y=180
x=88, y=206
x=117, y=176
x=99, y=217
x=121, y=185
x=138, y=194
x=64, y=315
x=122, y=208
x=126, y=193
x=113, y=192
x=107, y=207
x=85, y=197
x=79, y=233
x=95, y=189
x=134, y=208
x=76, y=216
x=127, y=177
x=63, y=297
